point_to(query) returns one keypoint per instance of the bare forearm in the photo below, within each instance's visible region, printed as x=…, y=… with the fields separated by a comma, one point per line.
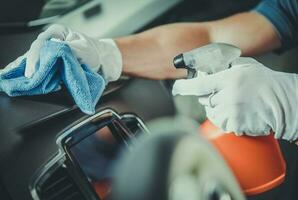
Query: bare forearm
x=249, y=31
x=150, y=54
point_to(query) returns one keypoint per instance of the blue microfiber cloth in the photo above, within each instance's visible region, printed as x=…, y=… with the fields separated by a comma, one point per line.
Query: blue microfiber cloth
x=56, y=65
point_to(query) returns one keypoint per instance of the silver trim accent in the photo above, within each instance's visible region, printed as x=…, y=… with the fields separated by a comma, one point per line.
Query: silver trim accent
x=60, y=157
x=139, y=120
x=63, y=135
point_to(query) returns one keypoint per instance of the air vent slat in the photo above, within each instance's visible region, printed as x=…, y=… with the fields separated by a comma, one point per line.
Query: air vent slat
x=73, y=196
x=52, y=185
x=60, y=192
x=59, y=186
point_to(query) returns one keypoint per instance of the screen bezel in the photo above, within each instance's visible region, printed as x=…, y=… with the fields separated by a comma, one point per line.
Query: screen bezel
x=71, y=137
x=61, y=159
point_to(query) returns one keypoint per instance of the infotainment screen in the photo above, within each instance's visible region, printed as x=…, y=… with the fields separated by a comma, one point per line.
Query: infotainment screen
x=89, y=149
x=96, y=154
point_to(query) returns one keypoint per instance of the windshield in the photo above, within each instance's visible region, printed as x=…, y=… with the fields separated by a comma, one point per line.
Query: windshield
x=20, y=11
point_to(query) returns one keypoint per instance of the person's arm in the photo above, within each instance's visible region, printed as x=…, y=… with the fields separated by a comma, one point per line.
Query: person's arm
x=149, y=54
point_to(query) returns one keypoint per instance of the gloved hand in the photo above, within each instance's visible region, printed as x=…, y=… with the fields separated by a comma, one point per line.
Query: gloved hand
x=248, y=98
x=98, y=54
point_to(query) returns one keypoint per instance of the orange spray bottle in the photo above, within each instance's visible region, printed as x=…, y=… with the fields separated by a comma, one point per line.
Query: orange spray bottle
x=256, y=162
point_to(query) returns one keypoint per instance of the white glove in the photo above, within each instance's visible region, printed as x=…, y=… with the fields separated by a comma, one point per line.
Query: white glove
x=98, y=54
x=248, y=98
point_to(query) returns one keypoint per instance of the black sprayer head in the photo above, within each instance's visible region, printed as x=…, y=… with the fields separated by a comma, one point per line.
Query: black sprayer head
x=179, y=62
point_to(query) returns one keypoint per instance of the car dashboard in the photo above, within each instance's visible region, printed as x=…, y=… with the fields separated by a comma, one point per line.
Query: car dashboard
x=29, y=125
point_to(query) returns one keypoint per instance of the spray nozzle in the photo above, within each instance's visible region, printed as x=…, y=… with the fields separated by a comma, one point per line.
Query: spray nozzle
x=210, y=58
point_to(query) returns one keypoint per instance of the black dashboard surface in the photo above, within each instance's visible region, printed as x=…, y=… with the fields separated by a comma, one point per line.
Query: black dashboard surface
x=24, y=148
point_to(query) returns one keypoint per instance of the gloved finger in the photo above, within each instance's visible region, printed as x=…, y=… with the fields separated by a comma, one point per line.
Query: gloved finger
x=78, y=46
x=234, y=125
x=225, y=97
x=210, y=113
x=204, y=100
x=228, y=115
x=207, y=100
x=54, y=31
x=217, y=116
x=255, y=126
x=198, y=86
x=220, y=121
x=254, y=123
x=245, y=62
x=32, y=59
x=226, y=118
x=242, y=126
